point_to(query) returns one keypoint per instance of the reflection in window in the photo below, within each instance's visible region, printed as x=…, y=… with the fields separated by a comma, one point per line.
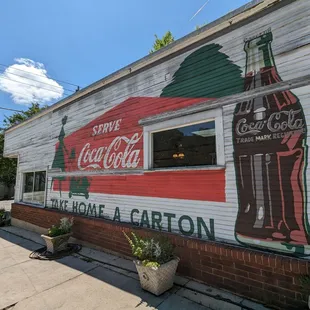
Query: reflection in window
x=193, y=145
x=34, y=187
x=28, y=182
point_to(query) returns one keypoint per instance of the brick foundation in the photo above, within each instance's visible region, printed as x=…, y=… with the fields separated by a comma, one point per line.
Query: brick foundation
x=269, y=278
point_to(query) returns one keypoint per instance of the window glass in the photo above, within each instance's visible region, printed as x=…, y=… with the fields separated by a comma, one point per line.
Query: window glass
x=39, y=184
x=192, y=145
x=34, y=187
x=28, y=182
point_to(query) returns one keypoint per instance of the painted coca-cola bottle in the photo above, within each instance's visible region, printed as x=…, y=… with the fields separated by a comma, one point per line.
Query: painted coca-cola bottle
x=269, y=139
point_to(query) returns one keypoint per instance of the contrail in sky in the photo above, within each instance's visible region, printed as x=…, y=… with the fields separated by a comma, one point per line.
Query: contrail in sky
x=200, y=9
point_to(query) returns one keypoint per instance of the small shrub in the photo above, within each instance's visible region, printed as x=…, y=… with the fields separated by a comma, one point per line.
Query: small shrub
x=152, y=252
x=64, y=227
x=305, y=281
x=2, y=212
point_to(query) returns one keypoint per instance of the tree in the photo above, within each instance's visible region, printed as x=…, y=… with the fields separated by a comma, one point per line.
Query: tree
x=19, y=117
x=8, y=165
x=164, y=41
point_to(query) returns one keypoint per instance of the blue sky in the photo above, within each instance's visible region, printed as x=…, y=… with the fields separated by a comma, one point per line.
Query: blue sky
x=83, y=41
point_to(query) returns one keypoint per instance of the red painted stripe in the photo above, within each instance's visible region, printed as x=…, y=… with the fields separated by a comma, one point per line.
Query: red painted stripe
x=208, y=185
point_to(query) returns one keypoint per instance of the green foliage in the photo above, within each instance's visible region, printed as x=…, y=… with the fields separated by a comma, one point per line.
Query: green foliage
x=164, y=41
x=64, y=227
x=19, y=117
x=152, y=252
x=200, y=26
x=147, y=263
x=55, y=231
x=305, y=281
x=2, y=212
x=8, y=165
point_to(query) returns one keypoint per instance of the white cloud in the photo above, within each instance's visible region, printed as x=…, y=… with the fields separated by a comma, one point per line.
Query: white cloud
x=27, y=82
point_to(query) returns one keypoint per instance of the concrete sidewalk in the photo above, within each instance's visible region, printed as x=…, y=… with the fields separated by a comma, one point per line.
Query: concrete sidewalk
x=91, y=280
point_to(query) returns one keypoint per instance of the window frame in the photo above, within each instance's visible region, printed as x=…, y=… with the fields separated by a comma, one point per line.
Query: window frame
x=183, y=121
x=22, y=186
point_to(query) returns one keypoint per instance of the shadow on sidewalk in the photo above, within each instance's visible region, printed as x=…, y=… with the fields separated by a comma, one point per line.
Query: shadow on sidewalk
x=118, y=286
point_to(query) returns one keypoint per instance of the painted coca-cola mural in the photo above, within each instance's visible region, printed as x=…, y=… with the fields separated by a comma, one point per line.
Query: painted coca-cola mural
x=114, y=140
x=101, y=163
x=112, y=143
x=270, y=156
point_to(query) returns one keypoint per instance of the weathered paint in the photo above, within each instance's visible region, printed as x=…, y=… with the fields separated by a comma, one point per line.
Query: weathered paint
x=202, y=203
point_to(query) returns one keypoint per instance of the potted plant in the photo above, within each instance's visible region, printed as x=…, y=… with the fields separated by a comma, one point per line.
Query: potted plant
x=156, y=264
x=58, y=235
x=4, y=217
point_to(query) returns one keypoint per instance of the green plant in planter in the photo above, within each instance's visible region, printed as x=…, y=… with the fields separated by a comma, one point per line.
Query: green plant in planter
x=64, y=227
x=152, y=252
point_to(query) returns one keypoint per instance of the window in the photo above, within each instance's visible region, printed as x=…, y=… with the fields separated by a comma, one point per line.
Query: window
x=194, y=140
x=192, y=145
x=34, y=187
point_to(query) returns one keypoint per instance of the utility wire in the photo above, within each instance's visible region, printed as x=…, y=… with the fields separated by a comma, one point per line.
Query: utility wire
x=23, y=94
x=59, y=93
x=26, y=78
x=2, y=65
x=8, y=109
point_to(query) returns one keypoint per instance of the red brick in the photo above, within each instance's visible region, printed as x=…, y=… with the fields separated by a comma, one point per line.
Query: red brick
x=212, y=279
x=237, y=272
x=284, y=278
x=225, y=252
x=303, y=267
x=195, y=273
x=263, y=295
x=259, y=259
x=266, y=261
x=235, y=255
x=224, y=274
x=223, y=262
x=215, y=266
x=289, y=286
x=240, y=255
x=247, y=257
x=267, y=273
x=259, y=266
x=235, y=286
x=247, y=268
x=279, y=290
x=230, y=253
x=205, y=260
x=207, y=269
x=249, y=282
x=280, y=271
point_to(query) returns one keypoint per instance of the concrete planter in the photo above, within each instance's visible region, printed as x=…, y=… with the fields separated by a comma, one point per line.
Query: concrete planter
x=157, y=280
x=56, y=244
